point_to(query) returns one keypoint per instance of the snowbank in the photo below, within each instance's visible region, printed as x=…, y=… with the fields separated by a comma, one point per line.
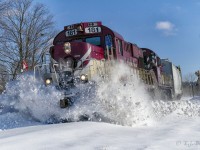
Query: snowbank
x=179, y=134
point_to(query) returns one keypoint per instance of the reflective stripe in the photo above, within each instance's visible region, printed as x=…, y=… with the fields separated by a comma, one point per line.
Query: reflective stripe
x=84, y=57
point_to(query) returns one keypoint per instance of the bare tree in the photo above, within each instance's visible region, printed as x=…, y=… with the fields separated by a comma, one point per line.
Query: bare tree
x=189, y=84
x=3, y=75
x=3, y=6
x=25, y=34
x=190, y=77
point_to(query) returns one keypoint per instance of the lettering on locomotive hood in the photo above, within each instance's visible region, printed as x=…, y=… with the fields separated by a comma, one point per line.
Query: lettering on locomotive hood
x=83, y=28
x=71, y=32
x=92, y=29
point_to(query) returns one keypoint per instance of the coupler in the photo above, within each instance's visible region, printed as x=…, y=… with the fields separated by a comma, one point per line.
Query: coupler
x=65, y=102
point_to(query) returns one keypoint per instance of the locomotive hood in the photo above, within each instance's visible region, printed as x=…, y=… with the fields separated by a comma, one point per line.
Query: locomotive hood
x=81, y=52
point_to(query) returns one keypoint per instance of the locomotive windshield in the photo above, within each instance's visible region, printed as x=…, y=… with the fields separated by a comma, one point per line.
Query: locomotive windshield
x=93, y=40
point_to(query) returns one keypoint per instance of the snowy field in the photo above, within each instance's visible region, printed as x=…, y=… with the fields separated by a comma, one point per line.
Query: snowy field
x=169, y=134
x=121, y=116
x=172, y=134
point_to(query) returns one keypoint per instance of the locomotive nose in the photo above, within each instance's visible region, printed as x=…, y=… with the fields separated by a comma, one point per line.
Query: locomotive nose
x=70, y=62
x=66, y=70
x=67, y=64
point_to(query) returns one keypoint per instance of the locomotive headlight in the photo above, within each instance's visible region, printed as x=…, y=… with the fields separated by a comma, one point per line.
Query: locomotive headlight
x=48, y=81
x=67, y=48
x=83, y=77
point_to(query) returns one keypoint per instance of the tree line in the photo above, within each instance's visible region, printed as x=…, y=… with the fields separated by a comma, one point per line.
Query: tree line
x=26, y=33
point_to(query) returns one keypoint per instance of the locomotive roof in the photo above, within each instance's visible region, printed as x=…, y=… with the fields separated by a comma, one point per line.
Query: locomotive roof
x=118, y=35
x=105, y=29
x=151, y=51
x=99, y=23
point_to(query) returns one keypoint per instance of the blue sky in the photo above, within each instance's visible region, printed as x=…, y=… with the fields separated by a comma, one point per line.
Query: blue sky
x=169, y=27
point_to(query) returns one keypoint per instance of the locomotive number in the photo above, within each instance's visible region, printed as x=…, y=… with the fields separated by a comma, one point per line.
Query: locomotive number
x=92, y=29
x=71, y=32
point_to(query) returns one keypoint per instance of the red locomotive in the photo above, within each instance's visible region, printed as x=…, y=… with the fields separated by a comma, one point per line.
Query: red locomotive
x=82, y=49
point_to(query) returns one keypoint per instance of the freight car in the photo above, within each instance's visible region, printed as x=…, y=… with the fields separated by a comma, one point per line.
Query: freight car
x=83, y=50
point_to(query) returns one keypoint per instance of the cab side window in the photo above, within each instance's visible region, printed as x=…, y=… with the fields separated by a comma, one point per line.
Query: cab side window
x=108, y=41
x=94, y=40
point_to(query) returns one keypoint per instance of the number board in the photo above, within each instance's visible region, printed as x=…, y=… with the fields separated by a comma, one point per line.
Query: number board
x=92, y=24
x=92, y=29
x=70, y=27
x=71, y=32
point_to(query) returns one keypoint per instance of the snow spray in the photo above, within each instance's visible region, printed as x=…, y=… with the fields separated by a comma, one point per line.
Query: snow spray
x=122, y=99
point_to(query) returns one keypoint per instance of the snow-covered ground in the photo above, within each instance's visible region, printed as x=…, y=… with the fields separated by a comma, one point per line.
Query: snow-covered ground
x=121, y=116
x=171, y=134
